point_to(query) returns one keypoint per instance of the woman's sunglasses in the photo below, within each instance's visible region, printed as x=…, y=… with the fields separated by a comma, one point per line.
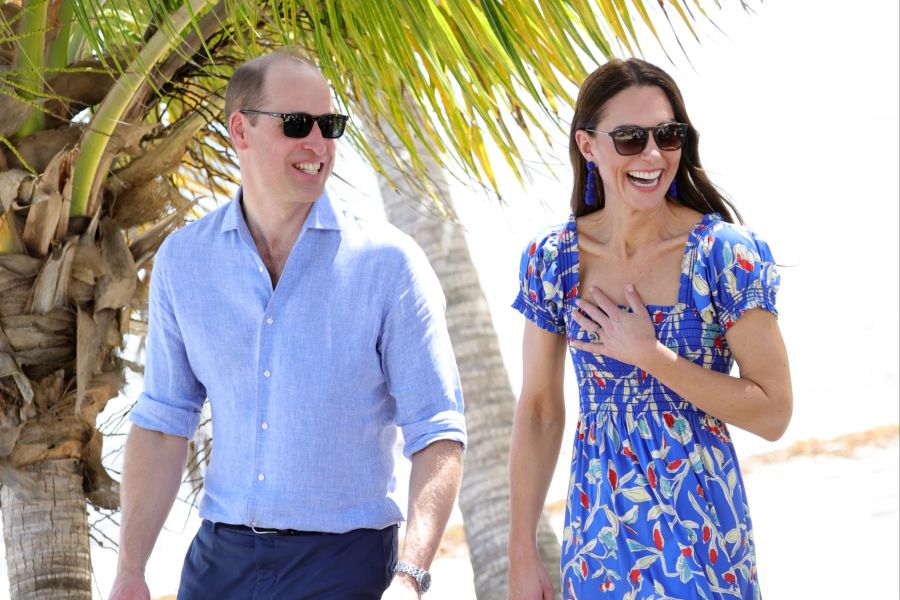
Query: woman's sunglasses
x=298, y=124
x=632, y=140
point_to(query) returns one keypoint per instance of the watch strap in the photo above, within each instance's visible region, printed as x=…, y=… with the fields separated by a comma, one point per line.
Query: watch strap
x=417, y=573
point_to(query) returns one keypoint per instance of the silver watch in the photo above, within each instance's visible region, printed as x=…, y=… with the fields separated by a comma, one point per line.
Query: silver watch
x=422, y=577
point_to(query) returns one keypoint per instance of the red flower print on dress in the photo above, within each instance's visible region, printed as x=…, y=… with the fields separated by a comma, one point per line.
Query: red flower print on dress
x=612, y=476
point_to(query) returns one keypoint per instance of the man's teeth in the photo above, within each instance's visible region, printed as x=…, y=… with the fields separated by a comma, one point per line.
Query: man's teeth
x=309, y=168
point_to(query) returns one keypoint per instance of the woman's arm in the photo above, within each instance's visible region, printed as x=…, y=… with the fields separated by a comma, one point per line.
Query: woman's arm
x=536, y=439
x=759, y=400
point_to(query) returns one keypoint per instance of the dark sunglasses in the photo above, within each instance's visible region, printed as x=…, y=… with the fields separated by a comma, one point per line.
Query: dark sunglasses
x=298, y=124
x=632, y=140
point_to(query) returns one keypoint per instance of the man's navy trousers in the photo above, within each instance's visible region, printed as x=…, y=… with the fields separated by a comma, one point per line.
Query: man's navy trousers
x=225, y=562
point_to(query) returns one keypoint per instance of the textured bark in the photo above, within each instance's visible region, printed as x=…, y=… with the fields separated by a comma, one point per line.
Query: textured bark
x=490, y=402
x=45, y=534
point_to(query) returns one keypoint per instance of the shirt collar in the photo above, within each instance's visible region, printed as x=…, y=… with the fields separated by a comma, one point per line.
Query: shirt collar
x=323, y=215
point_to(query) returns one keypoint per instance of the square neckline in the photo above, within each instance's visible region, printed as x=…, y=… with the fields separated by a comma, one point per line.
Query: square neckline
x=684, y=277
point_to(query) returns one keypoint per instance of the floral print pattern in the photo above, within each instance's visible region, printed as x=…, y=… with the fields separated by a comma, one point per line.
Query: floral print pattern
x=656, y=506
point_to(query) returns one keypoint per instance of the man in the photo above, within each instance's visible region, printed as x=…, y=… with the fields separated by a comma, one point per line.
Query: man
x=314, y=334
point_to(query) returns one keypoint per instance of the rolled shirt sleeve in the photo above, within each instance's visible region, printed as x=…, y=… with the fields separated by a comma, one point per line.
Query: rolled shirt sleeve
x=417, y=358
x=172, y=396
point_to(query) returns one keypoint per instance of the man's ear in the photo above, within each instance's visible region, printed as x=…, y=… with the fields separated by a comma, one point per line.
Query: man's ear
x=237, y=130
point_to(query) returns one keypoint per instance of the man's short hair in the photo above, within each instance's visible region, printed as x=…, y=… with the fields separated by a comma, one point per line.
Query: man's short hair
x=245, y=88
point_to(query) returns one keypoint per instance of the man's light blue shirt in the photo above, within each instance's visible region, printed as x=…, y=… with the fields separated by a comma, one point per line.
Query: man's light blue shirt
x=308, y=382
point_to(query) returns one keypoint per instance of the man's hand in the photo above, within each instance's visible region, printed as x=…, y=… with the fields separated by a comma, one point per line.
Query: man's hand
x=129, y=587
x=402, y=587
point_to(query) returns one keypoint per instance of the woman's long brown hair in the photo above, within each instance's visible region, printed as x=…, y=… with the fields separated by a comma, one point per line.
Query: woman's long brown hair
x=695, y=190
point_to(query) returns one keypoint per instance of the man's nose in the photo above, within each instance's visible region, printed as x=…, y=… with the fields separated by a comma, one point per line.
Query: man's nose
x=315, y=141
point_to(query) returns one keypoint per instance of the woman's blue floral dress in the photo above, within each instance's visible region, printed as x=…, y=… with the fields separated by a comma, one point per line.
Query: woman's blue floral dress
x=656, y=506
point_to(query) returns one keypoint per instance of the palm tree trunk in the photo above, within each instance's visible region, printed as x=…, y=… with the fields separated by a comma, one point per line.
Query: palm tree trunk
x=490, y=402
x=45, y=534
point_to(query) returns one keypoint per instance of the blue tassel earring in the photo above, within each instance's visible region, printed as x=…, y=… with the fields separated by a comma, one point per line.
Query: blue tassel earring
x=590, y=191
x=673, y=190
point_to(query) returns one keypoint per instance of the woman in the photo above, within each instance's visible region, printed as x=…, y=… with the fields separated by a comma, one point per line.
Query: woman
x=657, y=293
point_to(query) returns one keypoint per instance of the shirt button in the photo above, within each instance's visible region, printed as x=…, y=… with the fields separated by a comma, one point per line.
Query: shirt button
x=267, y=373
x=252, y=523
x=261, y=477
x=261, y=269
x=265, y=425
x=269, y=321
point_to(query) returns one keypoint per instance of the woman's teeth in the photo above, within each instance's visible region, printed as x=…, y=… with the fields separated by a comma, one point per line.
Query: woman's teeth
x=644, y=179
x=308, y=168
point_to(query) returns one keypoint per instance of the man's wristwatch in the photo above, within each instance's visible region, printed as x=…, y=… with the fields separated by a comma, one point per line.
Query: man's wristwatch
x=422, y=577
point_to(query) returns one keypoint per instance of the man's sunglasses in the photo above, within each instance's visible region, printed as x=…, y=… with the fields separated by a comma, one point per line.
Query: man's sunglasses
x=632, y=140
x=298, y=124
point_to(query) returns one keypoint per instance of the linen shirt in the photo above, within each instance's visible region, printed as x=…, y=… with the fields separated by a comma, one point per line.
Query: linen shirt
x=307, y=382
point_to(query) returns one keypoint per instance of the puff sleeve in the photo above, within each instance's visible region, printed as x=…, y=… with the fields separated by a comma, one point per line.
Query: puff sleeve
x=540, y=296
x=734, y=271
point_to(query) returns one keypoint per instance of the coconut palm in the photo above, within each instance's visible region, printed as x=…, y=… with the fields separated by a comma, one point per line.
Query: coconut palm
x=111, y=130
